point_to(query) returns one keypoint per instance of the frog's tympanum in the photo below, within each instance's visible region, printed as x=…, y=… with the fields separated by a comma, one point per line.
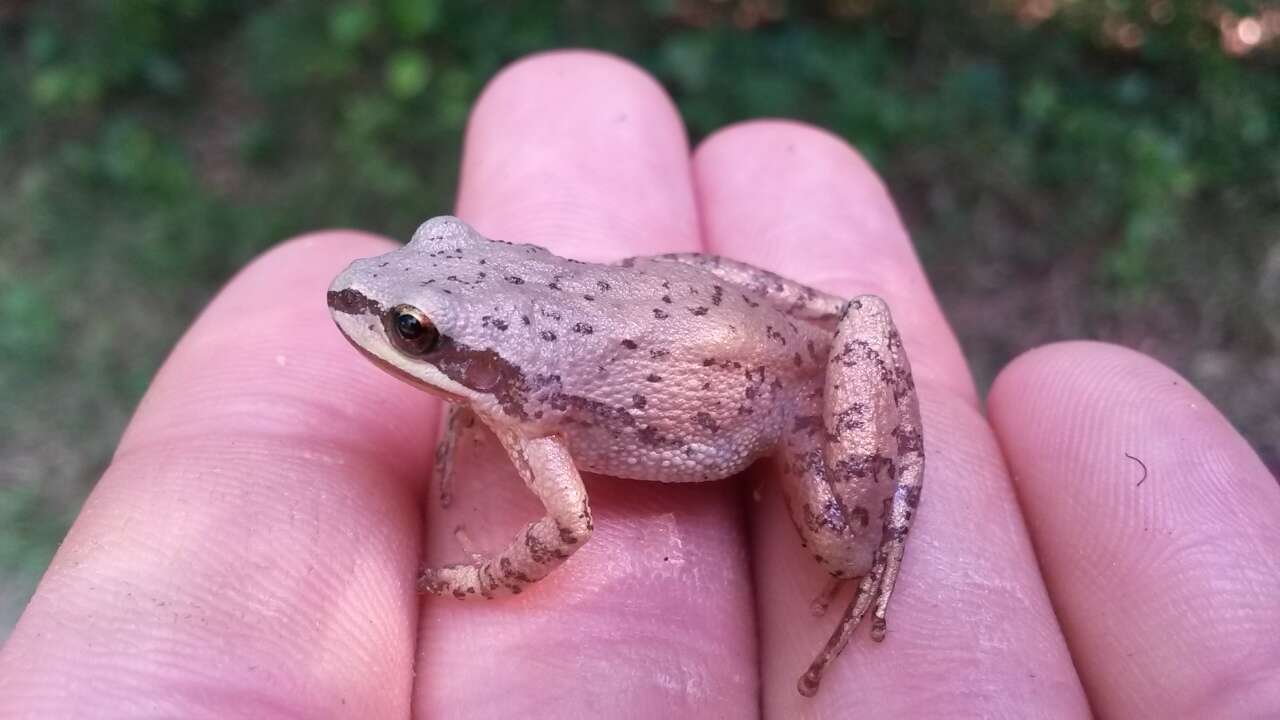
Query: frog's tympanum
x=672, y=368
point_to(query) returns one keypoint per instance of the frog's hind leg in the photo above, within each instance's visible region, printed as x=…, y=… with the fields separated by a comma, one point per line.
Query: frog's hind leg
x=547, y=469
x=835, y=534
x=874, y=454
x=459, y=426
x=906, y=470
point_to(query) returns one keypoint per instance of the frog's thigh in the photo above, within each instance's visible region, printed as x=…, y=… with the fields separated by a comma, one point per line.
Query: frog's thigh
x=548, y=470
x=827, y=528
x=874, y=453
x=460, y=427
x=873, y=419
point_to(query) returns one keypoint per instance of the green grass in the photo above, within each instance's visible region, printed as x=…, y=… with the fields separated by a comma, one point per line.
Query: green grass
x=149, y=149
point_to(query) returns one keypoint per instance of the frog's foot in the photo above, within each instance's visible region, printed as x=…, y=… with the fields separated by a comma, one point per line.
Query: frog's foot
x=548, y=470
x=540, y=548
x=808, y=684
x=460, y=424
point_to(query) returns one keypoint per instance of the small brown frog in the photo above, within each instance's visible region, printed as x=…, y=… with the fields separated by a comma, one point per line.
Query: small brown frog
x=672, y=368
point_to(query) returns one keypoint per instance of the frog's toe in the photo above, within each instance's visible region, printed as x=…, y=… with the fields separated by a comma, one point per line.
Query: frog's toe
x=878, y=628
x=431, y=581
x=823, y=601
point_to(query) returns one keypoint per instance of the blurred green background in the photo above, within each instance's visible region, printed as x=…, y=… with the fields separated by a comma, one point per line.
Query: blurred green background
x=1105, y=169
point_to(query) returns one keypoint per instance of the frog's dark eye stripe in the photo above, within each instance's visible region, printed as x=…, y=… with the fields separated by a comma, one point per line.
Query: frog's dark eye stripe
x=410, y=330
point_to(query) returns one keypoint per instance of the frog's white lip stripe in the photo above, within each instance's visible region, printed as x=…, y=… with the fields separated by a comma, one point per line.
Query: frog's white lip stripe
x=350, y=301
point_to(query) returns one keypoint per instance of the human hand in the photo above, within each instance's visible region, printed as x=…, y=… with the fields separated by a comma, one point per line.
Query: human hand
x=251, y=551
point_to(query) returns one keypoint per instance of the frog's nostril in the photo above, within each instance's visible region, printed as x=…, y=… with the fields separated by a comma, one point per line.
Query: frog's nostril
x=353, y=302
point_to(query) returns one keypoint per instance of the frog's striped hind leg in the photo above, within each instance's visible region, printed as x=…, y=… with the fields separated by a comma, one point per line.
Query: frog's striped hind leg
x=875, y=461
x=459, y=426
x=547, y=469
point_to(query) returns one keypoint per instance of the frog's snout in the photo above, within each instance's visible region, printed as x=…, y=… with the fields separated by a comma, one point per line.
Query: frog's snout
x=345, y=297
x=353, y=302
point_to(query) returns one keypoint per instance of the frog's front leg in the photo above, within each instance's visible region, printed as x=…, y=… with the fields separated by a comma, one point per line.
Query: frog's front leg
x=870, y=468
x=460, y=426
x=547, y=469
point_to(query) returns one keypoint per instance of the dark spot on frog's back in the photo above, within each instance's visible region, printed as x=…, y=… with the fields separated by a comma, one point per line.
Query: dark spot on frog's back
x=706, y=422
x=353, y=302
x=649, y=435
x=860, y=515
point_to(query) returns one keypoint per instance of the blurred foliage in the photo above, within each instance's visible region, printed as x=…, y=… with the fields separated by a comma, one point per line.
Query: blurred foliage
x=148, y=149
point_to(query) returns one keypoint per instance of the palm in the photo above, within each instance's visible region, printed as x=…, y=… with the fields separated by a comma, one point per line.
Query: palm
x=251, y=551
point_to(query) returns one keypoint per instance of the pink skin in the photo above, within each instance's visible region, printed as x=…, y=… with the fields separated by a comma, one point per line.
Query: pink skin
x=251, y=550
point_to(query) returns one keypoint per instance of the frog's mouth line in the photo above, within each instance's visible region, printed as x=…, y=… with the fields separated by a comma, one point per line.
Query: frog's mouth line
x=405, y=376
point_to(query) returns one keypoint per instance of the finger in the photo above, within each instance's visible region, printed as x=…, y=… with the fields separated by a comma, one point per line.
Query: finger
x=970, y=615
x=584, y=154
x=1156, y=527
x=250, y=551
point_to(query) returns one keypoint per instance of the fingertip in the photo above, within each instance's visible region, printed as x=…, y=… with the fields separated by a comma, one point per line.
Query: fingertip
x=594, y=73
x=1054, y=357
x=557, y=139
x=301, y=263
x=1084, y=382
x=751, y=148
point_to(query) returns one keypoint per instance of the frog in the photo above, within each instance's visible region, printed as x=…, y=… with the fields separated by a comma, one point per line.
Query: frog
x=678, y=367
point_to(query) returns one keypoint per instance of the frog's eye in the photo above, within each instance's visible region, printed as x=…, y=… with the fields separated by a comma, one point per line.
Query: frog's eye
x=411, y=330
